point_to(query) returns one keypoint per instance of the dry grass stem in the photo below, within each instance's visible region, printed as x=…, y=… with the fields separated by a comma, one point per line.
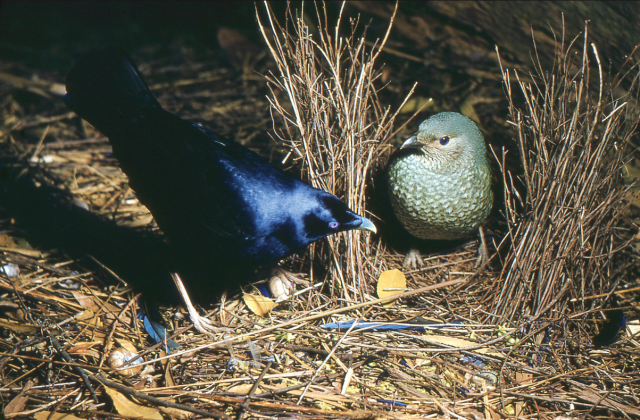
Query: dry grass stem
x=325, y=96
x=572, y=133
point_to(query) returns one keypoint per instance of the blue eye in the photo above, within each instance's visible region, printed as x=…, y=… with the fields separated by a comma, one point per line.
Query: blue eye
x=334, y=225
x=444, y=140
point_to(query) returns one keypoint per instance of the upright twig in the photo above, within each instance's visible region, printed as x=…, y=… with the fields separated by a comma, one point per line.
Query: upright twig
x=572, y=134
x=333, y=122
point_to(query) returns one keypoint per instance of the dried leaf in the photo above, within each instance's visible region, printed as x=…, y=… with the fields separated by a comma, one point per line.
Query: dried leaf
x=85, y=301
x=176, y=413
x=593, y=397
x=168, y=377
x=524, y=378
x=19, y=328
x=48, y=415
x=126, y=344
x=128, y=408
x=12, y=311
x=241, y=389
x=391, y=282
x=9, y=243
x=18, y=404
x=82, y=347
x=259, y=305
x=112, y=311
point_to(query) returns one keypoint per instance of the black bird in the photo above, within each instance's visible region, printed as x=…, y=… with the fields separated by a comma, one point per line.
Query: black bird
x=224, y=209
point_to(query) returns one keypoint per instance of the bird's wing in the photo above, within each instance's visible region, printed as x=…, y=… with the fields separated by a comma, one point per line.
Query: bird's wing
x=193, y=181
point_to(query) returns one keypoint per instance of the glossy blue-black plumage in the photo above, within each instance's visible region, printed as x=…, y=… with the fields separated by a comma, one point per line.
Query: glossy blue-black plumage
x=210, y=196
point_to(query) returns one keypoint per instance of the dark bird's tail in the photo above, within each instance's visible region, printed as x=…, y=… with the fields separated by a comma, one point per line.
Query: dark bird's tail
x=106, y=89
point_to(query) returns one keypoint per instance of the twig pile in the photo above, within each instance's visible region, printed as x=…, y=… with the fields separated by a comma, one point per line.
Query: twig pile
x=572, y=135
x=334, y=123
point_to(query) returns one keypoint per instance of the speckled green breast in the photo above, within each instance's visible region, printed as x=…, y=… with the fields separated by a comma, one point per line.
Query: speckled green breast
x=435, y=202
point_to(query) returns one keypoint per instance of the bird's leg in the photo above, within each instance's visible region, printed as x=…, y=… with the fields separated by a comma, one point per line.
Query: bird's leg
x=201, y=323
x=281, y=284
x=413, y=259
x=483, y=251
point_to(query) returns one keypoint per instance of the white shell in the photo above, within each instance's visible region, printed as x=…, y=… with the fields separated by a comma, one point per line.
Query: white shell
x=119, y=357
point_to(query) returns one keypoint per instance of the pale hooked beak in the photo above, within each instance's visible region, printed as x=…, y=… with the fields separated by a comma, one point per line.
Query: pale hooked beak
x=411, y=143
x=367, y=225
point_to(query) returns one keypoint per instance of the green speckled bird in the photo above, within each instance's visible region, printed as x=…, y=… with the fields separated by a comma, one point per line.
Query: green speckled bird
x=439, y=180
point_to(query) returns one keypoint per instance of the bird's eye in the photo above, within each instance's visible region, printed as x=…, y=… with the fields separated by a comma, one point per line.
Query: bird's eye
x=334, y=225
x=444, y=140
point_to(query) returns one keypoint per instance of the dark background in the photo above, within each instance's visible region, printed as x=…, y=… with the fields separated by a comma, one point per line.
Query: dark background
x=447, y=47
x=51, y=28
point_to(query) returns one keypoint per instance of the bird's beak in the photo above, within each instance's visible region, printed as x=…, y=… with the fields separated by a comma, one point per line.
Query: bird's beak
x=411, y=143
x=367, y=225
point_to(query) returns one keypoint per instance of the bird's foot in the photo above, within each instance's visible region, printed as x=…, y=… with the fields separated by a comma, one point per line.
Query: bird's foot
x=202, y=324
x=483, y=251
x=413, y=259
x=281, y=284
x=482, y=256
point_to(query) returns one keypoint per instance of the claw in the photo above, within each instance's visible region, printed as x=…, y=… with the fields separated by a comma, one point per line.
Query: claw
x=202, y=324
x=281, y=284
x=413, y=259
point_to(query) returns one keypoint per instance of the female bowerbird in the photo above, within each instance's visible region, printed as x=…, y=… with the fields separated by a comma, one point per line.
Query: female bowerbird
x=439, y=182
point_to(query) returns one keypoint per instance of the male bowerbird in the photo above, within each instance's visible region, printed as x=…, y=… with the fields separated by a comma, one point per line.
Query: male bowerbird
x=212, y=197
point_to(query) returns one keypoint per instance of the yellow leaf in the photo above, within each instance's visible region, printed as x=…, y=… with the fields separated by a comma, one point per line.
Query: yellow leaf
x=128, y=408
x=324, y=405
x=259, y=305
x=391, y=282
x=510, y=409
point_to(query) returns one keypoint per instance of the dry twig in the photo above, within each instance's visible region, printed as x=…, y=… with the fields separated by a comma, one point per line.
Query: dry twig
x=333, y=122
x=572, y=133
